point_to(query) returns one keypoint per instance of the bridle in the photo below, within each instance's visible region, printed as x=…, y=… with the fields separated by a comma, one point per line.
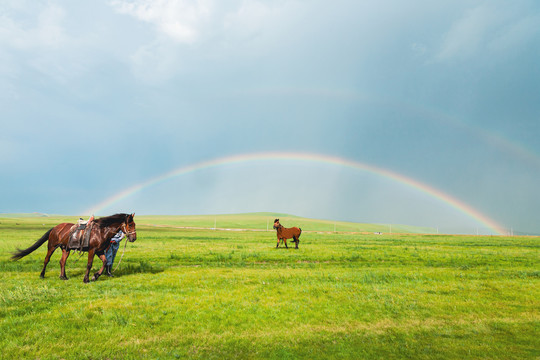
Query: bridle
x=124, y=230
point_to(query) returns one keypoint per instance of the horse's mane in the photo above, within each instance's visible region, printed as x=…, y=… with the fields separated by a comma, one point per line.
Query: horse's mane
x=111, y=220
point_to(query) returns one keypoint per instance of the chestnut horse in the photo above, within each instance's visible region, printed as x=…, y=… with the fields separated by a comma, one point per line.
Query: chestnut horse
x=284, y=233
x=103, y=230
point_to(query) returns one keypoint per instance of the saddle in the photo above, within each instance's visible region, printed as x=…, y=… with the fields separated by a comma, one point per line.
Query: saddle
x=79, y=235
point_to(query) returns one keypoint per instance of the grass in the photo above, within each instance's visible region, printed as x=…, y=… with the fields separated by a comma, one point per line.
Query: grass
x=205, y=294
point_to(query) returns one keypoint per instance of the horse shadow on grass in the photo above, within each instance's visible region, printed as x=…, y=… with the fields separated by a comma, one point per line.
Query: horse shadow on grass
x=141, y=268
x=123, y=270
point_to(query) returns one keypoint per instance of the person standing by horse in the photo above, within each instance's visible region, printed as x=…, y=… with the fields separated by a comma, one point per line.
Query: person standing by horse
x=110, y=254
x=99, y=242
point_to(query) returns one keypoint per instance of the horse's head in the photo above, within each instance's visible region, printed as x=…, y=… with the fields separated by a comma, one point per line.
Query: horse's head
x=128, y=227
x=276, y=224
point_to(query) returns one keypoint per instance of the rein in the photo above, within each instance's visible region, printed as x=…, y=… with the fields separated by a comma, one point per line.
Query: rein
x=124, y=229
x=123, y=251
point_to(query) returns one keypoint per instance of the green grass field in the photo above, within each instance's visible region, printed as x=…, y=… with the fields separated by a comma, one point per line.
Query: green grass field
x=218, y=294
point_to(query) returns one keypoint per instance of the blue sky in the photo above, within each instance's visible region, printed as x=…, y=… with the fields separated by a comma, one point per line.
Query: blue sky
x=99, y=96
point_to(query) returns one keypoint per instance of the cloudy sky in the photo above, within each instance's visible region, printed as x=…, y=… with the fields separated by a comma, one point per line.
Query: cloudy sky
x=99, y=96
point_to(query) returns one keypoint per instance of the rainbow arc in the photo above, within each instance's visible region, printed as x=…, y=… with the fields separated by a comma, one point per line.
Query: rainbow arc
x=305, y=157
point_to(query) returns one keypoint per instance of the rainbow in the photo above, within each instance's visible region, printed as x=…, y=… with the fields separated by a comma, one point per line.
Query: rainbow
x=307, y=157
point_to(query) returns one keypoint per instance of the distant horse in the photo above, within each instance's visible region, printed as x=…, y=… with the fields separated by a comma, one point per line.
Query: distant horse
x=100, y=238
x=284, y=233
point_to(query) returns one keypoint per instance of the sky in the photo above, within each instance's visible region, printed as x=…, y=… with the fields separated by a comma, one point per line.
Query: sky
x=99, y=97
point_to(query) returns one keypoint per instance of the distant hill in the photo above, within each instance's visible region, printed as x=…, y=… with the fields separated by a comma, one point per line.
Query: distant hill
x=24, y=215
x=265, y=221
x=248, y=221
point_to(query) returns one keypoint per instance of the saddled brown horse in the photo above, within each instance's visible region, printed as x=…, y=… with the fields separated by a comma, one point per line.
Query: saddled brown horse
x=284, y=233
x=100, y=238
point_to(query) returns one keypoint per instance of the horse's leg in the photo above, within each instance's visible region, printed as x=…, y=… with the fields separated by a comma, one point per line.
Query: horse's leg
x=46, y=261
x=98, y=274
x=89, y=265
x=63, y=259
x=285, y=242
x=277, y=245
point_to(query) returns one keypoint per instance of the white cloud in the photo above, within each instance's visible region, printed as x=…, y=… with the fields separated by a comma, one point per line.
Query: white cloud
x=21, y=31
x=31, y=35
x=49, y=30
x=181, y=20
x=517, y=34
x=155, y=62
x=193, y=21
x=188, y=33
x=467, y=34
x=250, y=15
x=488, y=30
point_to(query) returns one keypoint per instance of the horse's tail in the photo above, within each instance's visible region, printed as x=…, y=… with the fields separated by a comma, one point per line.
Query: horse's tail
x=22, y=253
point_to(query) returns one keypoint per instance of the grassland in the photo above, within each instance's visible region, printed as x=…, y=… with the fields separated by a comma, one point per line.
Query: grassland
x=214, y=294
